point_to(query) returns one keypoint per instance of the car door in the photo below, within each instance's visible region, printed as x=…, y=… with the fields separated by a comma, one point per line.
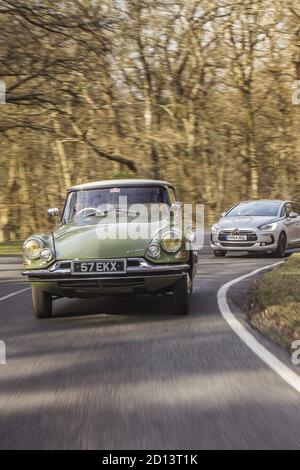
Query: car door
x=290, y=225
x=296, y=209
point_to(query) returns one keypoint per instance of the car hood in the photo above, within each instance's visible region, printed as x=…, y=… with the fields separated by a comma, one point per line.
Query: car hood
x=90, y=241
x=243, y=222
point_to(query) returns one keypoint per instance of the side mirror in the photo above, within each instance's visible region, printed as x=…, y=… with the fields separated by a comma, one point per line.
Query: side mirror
x=53, y=213
x=293, y=215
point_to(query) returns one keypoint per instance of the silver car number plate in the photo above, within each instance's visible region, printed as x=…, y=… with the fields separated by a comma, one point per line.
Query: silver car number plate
x=99, y=266
x=236, y=237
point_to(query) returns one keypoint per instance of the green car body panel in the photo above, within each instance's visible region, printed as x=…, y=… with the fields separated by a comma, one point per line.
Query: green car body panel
x=85, y=241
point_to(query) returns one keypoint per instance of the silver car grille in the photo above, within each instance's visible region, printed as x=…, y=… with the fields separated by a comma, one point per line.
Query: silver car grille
x=251, y=236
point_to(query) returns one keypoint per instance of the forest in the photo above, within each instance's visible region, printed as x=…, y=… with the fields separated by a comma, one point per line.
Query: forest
x=202, y=93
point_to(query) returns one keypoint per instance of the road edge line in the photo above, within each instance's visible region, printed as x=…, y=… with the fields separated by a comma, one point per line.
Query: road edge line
x=264, y=354
x=14, y=293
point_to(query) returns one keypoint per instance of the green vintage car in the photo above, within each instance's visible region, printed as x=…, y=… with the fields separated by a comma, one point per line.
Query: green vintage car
x=115, y=237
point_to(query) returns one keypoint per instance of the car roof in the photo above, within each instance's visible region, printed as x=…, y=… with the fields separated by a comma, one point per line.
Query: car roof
x=280, y=201
x=119, y=183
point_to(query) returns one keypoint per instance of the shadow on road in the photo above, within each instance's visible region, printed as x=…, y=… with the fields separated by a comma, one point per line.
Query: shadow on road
x=141, y=306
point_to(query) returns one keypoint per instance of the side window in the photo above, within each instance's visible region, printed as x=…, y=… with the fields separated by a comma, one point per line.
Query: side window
x=172, y=195
x=163, y=195
x=289, y=209
x=70, y=206
x=283, y=211
x=296, y=208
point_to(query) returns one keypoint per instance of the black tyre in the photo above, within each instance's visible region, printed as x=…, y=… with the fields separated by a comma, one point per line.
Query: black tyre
x=220, y=253
x=181, y=293
x=281, y=246
x=41, y=302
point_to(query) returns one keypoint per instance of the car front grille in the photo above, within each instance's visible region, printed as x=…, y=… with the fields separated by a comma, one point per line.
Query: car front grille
x=135, y=283
x=78, y=284
x=63, y=265
x=251, y=236
x=237, y=244
x=85, y=285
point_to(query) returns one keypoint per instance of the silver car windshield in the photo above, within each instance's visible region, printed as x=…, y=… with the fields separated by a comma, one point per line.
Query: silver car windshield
x=80, y=204
x=255, y=209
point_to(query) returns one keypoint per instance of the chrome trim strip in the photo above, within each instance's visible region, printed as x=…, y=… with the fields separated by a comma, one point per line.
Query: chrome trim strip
x=76, y=280
x=144, y=267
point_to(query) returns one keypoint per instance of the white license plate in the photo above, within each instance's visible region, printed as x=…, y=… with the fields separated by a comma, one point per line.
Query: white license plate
x=236, y=238
x=99, y=266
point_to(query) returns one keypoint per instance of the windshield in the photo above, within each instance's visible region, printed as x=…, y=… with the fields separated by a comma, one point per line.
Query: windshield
x=80, y=204
x=255, y=209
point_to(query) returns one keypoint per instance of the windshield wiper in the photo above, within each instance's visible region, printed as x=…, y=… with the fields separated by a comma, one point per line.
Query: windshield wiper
x=97, y=214
x=127, y=211
x=117, y=211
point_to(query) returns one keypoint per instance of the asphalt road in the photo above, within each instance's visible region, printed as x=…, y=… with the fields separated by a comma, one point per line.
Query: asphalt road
x=128, y=374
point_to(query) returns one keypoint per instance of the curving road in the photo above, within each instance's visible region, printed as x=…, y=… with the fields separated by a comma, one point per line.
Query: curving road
x=128, y=374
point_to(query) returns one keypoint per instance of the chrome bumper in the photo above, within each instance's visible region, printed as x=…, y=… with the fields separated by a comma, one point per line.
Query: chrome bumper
x=142, y=268
x=263, y=242
x=255, y=247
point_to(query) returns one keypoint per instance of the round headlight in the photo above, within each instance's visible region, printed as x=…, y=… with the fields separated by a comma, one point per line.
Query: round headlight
x=33, y=247
x=46, y=254
x=154, y=250
x=171, y=241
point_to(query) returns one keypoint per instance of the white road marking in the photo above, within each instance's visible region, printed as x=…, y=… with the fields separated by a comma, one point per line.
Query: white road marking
x=266, y=356
x=14, y=293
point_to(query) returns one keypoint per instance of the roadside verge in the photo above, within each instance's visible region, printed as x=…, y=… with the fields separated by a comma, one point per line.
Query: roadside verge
x=256, y=347
x=274, y=303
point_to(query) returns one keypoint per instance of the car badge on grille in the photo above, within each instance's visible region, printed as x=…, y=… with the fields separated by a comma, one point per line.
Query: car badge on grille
x=236, y=232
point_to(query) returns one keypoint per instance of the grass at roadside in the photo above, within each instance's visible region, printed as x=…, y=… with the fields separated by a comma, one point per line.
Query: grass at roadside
x=275, y=303
x=11, y=248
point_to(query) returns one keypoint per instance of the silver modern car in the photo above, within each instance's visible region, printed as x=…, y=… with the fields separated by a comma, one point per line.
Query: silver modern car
x=258, y=226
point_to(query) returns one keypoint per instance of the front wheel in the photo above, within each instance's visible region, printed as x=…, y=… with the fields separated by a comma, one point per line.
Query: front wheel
x=41, y=302
x=281, y=246
x=181, y=292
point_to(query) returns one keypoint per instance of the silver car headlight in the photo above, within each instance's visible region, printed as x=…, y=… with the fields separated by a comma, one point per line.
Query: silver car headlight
x=215, y=228
x=33, y=248
x=268, y=227
x=171, y=241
